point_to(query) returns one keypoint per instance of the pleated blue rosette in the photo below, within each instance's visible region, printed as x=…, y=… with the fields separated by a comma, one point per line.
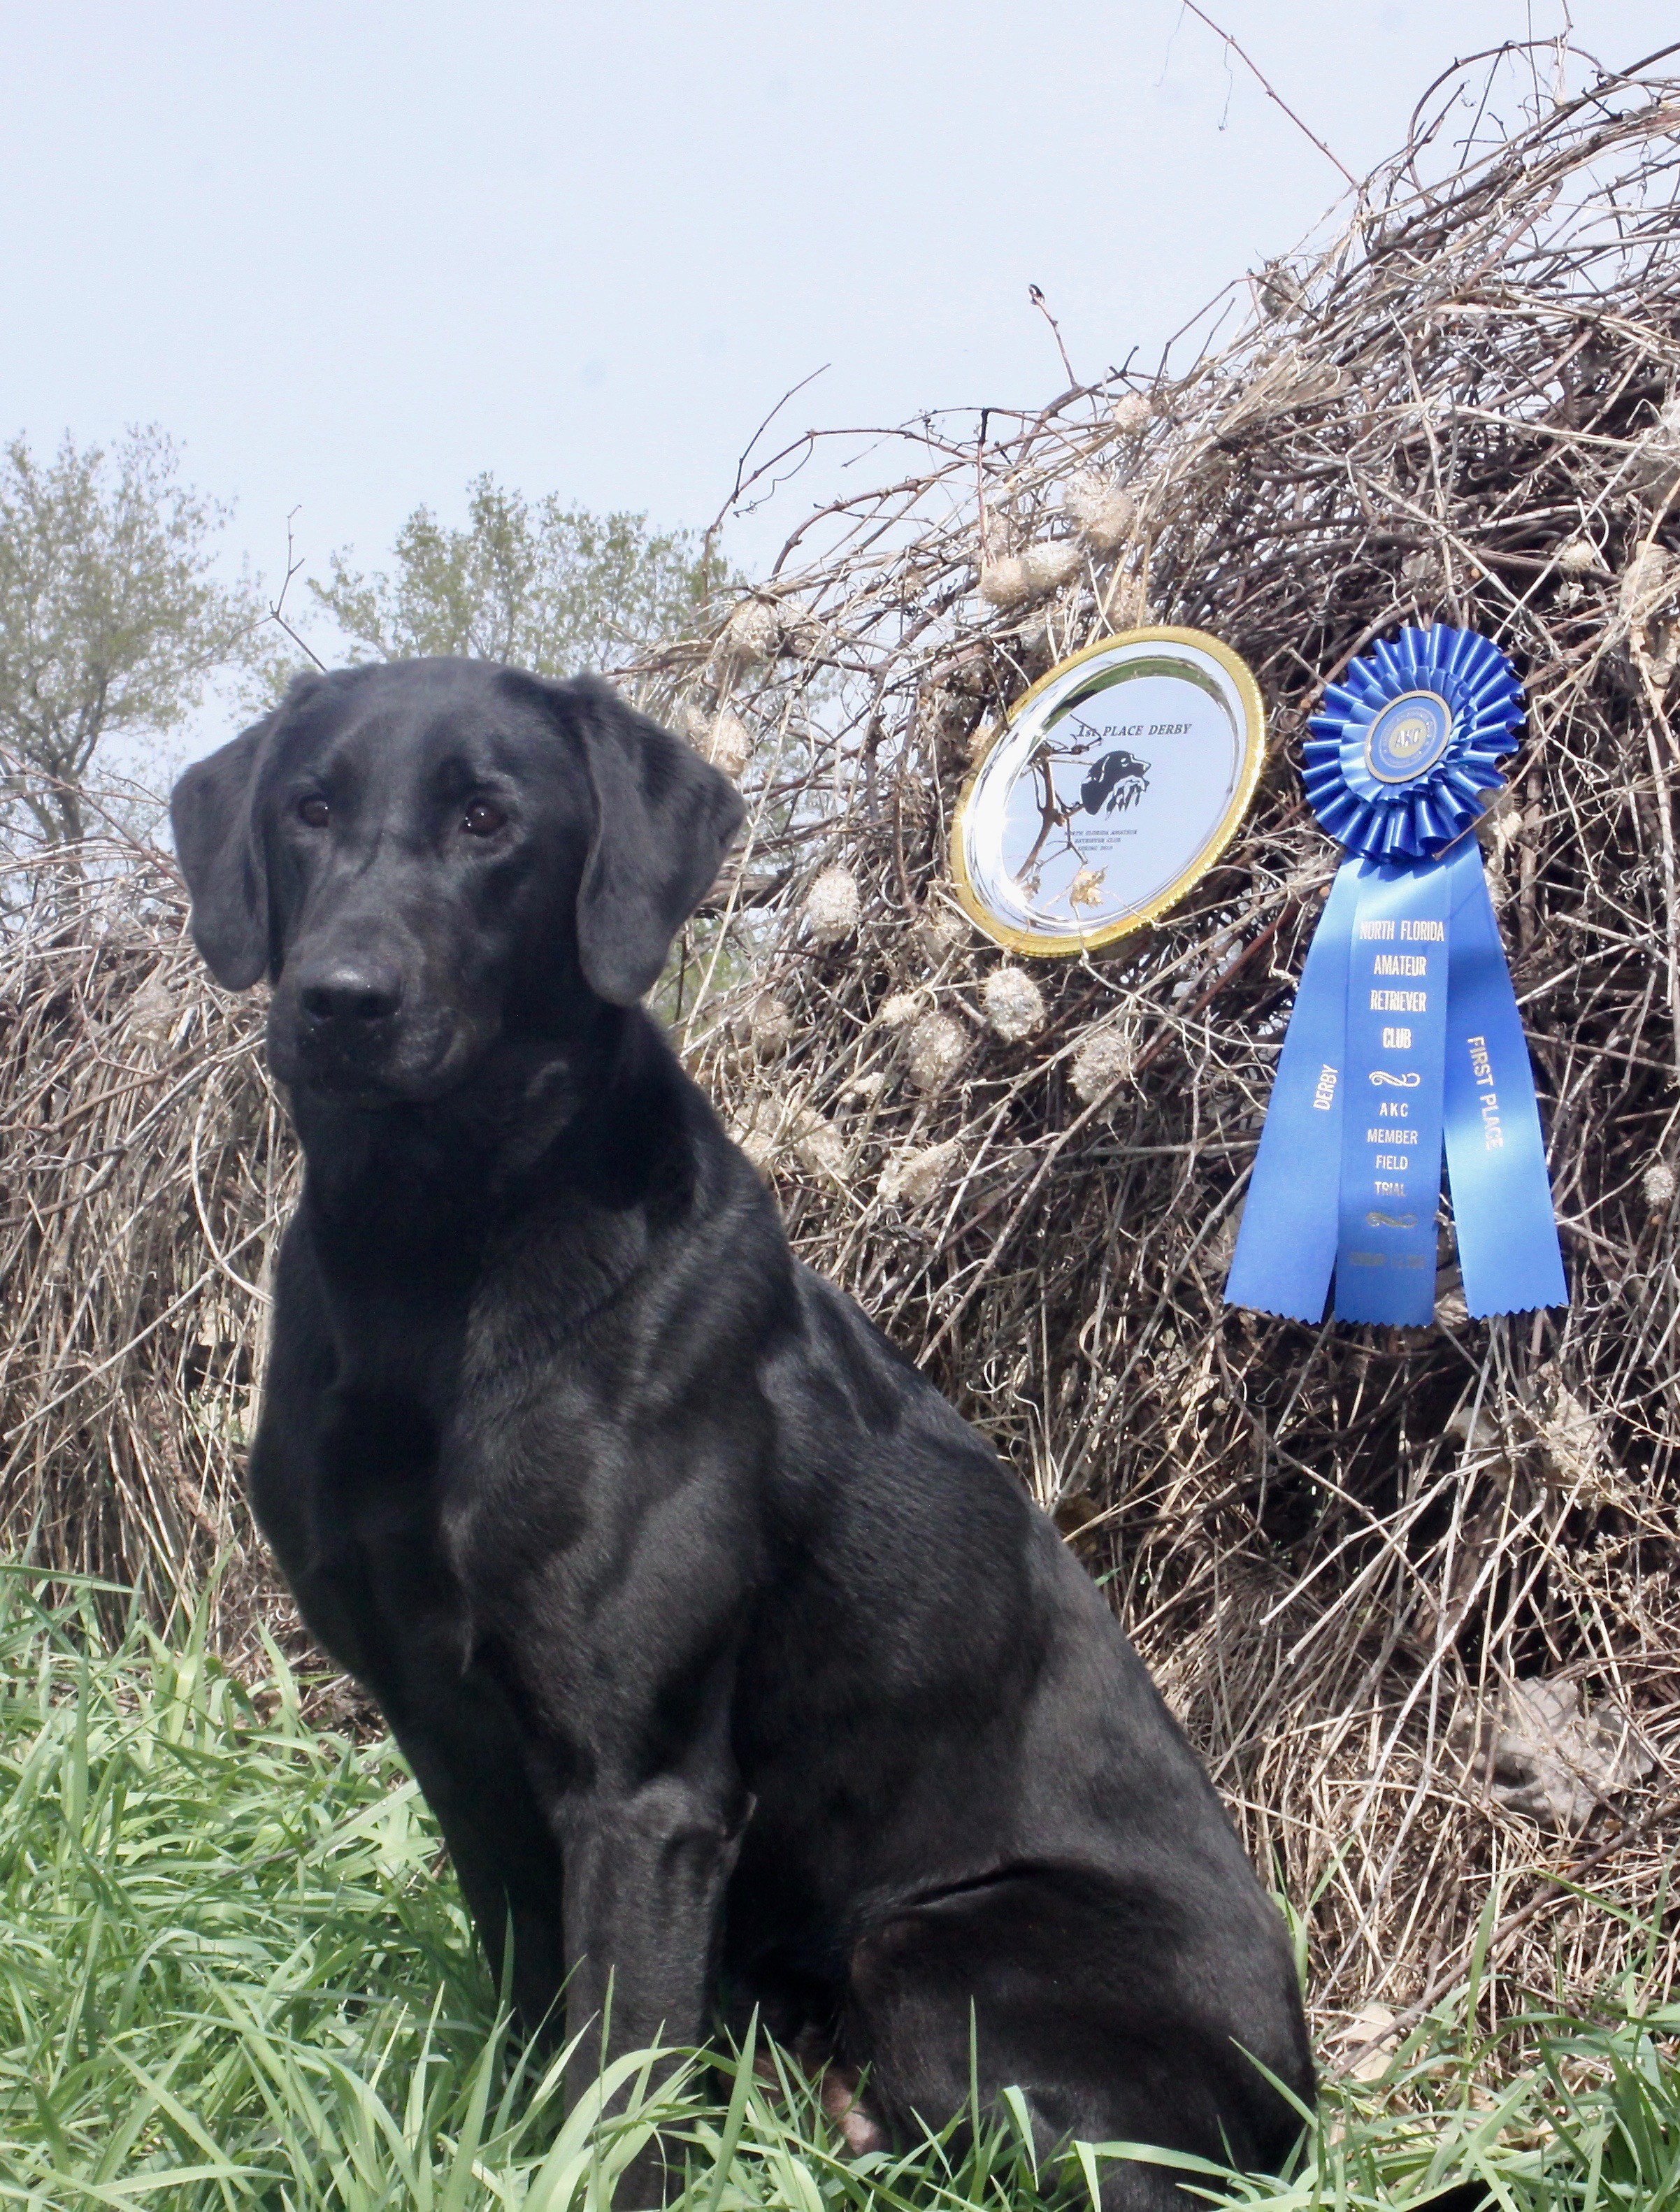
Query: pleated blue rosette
x=1405, y=1042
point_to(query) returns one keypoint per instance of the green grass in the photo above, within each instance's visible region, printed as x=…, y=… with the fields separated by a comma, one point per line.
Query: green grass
x=233, y=1973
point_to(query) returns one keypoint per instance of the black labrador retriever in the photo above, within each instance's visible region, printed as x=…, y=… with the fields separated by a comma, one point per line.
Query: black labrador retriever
x=736, y=1669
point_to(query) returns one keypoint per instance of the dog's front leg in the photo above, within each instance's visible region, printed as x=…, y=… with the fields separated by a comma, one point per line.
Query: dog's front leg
x=646, y=1869
x=645, y=1875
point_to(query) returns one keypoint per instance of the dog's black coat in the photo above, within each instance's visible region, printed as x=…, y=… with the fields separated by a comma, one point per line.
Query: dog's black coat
x=734, y=1666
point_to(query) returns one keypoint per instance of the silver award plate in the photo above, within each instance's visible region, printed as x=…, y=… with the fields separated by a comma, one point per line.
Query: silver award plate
x=1117, y=782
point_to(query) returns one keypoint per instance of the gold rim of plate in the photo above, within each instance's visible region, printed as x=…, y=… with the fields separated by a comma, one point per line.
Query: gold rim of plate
x=1254, y=758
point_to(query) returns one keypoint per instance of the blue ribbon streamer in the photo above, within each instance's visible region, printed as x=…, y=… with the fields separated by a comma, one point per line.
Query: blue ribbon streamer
x=1405, y=1038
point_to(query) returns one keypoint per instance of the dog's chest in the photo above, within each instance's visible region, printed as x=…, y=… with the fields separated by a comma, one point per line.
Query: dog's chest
x=522, y=1461
x=516, y=1449
x=382, y=1421
x=477, y=1464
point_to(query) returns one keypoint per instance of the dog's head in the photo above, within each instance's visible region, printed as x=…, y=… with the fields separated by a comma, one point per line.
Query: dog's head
x=424, y=856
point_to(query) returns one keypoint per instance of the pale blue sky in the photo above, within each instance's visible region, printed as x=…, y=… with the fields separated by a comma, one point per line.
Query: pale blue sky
x=351, y=254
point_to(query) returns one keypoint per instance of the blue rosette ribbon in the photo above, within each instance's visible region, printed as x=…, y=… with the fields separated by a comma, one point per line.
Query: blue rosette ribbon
x=1405, y=1040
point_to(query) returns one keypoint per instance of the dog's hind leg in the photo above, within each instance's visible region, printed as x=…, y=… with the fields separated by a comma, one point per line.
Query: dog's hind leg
x=1067, y=1987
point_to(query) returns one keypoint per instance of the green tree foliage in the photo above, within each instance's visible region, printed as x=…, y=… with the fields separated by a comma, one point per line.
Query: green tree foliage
x=111, y=618
x=544, y=585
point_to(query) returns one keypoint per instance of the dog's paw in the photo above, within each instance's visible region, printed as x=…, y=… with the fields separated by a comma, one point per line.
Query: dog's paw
x=840, y=2101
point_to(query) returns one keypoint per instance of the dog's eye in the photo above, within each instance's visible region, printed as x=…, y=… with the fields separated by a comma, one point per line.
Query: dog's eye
x=314, y=812
x=483, y=819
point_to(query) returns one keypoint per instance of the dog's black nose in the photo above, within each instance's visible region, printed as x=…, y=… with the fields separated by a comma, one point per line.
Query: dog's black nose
x=351, y=991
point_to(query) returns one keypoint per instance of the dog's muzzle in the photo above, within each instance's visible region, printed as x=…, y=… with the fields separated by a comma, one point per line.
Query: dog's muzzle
x=349, y=1023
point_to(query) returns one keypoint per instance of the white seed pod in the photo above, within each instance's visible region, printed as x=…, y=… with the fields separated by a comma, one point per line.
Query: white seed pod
x=894, y=1012
x=1006, y=583
x=1658, y=1186
x=1099, y=510
x=769, y=1027
x=819, y=1147
x=150, y=1014
x=1050, y=566
x=939, y=931
x=1130, y=413
x=727, y=743
x=760, y=1132
x=831, y=905
x=1654, y=466
x=1104, y=1059
x=1220, y=1247
x=753, y=632
x=1480, y=1430
x=1579, y=555
x=802, y=635
x=1015, y=1005
x=721, y=739
x=1127, y=601
x=1571, y=1439
x=911, y=1178
x=1648, y=581
x=1421, y=571
x=1281, y=288
x=869, y=1085
x=938, y=1048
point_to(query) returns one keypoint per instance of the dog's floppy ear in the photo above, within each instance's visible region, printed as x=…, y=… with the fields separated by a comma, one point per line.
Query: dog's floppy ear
x=218, y=844
x=663, y=822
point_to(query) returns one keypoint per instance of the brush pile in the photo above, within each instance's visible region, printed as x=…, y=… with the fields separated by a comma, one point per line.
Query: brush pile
x=145, y=1166
x=1413, y=1592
